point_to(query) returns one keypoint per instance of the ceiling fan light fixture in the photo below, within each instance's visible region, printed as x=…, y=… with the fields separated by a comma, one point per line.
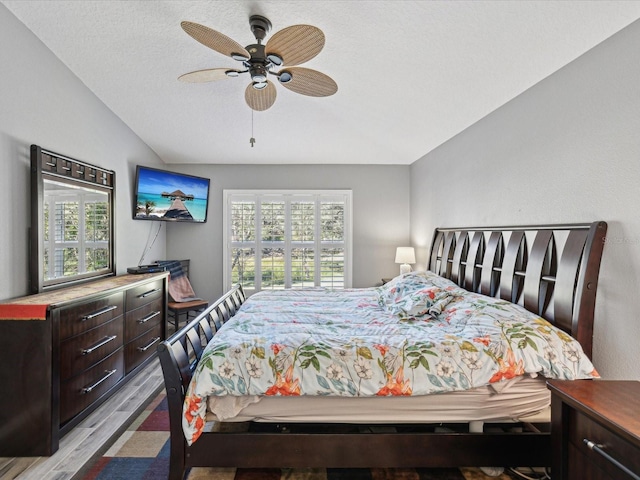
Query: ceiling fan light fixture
x=285, y=77
x=258, y=73
x=259, y=85
x=239, y=57
x=232, y=73
x=275, y=59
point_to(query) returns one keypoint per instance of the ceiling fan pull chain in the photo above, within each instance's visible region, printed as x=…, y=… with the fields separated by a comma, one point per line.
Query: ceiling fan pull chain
x=252, y=140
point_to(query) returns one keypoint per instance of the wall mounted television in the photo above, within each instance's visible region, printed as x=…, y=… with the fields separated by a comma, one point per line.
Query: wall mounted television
x=170, y=196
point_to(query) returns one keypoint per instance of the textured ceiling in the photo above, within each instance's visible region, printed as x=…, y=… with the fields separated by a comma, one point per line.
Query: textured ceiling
x=410, y=74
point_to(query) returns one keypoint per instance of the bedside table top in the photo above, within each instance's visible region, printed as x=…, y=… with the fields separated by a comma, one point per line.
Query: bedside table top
x=614, y=402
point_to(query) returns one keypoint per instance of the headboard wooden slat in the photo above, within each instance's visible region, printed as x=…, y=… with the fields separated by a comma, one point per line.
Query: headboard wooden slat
x=433, y=262
x=475, y=249
x=587, y=285
x=492, y=258
x=459, y=256
x=567, y=278
x=449, y=244
x=509, y=282
x=534, y=290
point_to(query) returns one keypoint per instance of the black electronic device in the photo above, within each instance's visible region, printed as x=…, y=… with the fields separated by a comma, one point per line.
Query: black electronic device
x=146, y=269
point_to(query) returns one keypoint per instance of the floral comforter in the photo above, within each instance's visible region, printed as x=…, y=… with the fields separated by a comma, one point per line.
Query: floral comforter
x=417, y=335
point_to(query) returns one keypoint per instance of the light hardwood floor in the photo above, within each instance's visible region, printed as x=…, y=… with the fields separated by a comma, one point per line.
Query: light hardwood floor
x=92, y=436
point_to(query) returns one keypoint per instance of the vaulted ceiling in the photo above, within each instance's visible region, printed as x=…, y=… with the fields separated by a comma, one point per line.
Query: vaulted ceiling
x=410, y=74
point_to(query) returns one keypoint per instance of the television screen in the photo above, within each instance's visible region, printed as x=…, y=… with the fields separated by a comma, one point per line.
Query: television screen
x=170, y=196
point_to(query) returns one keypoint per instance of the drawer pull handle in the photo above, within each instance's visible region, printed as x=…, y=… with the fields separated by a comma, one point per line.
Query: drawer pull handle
x=90, y=388
x=97, y=313
x=149, y=345
x=104, y=341
x=150, y=292
x=599, y=449
x=149, y=317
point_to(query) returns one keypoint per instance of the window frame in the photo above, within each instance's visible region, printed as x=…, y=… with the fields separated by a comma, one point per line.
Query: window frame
x=258, y=196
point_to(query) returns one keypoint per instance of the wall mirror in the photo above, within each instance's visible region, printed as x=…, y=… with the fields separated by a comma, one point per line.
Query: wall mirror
x=72, y=221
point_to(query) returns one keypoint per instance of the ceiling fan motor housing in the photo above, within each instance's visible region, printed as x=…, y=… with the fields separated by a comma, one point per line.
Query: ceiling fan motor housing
x=258, y=73
x=260, y=26
x=258, y=64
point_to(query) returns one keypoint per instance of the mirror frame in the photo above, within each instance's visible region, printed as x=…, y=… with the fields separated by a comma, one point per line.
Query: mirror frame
x=53, y=166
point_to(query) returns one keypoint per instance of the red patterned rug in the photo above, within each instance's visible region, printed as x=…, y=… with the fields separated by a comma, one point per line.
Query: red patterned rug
x=142, y=453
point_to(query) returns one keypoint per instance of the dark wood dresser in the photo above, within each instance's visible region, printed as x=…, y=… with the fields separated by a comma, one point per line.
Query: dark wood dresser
x=63, y=352
x=595, y=429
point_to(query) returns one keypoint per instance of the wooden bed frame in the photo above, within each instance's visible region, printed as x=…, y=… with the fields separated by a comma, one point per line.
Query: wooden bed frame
x=551, y=270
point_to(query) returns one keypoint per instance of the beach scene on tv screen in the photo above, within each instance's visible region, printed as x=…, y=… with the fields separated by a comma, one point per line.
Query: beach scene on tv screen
x=171, y=196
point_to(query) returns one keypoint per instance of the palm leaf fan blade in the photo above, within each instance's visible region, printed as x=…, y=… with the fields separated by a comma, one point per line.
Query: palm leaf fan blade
x=207, y=75
x=296, y=44
x=310, y=82
x=214, y=40
x=260, y=100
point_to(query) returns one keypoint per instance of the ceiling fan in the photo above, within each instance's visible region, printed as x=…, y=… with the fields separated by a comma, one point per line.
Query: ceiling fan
x=285, y=50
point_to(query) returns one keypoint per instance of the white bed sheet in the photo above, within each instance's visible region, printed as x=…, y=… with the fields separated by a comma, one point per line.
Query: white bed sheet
x=508, y=401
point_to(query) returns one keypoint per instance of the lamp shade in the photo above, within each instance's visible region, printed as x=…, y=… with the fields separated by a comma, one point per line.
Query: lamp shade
x=405, y=255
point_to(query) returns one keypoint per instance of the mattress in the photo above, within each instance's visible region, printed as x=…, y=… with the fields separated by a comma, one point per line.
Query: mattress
x=509, y=401
x=419, y=349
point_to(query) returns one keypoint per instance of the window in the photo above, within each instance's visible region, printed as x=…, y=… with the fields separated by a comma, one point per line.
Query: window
x=75, y=242
x=287, y=239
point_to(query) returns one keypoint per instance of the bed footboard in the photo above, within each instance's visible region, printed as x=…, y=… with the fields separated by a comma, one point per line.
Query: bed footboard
x=179, y=355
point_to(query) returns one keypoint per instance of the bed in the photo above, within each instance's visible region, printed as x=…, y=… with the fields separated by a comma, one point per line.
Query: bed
x=490, y=415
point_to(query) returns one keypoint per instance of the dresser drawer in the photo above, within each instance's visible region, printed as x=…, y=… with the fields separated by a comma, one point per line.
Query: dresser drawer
x=142, y=294
x=82, y=390
x=582, y=427
x=81, y=317
x=138, y=350
x=580, y=467
x=142, y=319
x=82, y=351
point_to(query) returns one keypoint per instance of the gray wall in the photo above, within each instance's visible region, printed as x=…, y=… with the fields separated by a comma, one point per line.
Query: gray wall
x=566, y=150
x=43, y=102
x=380, y=215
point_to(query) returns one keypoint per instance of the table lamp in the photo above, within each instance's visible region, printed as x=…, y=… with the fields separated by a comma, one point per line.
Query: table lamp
x=405, y=256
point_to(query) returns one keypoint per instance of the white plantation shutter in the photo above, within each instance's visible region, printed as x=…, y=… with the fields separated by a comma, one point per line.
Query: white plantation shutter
x=287, y=239
x=332, y=243
x=78, y=240
x=65, y=236
x=303, y=232
x=96, y=235
x=242, y=240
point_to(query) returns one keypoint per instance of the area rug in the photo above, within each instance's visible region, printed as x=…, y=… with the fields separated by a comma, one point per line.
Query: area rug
x=142, y=453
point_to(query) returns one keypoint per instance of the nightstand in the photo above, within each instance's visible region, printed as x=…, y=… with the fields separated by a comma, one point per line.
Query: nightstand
x=595, y=429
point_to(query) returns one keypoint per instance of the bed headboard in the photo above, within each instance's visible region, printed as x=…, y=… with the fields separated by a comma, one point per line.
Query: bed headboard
x=551, y=270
